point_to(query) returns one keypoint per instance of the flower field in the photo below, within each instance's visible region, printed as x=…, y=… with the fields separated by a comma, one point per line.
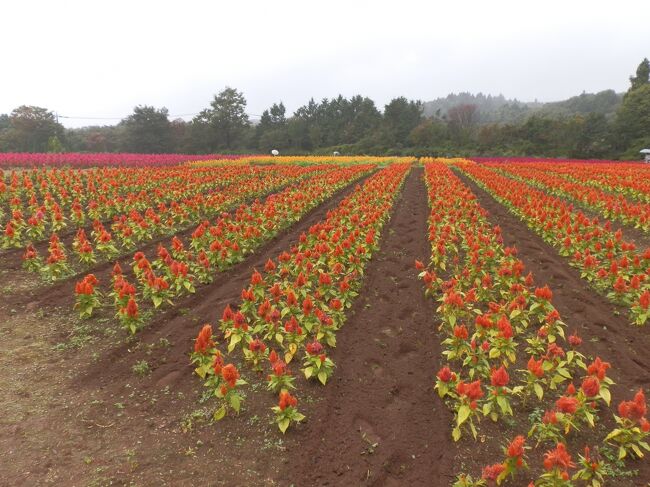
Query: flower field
x=333, y=321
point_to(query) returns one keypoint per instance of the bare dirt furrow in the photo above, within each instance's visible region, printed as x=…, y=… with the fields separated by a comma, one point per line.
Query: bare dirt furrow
x=603, y=326
x=378, y=422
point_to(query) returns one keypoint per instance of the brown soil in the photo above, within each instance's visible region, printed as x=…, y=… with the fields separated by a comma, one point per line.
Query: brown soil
x=603, y=326
x=379, y=421
x=96, y=422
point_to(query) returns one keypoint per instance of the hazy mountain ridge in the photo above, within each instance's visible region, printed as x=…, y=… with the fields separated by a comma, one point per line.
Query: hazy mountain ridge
x=499, y=109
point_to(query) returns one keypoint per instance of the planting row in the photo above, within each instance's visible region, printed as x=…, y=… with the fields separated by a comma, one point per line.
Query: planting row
x=212, y=248
x=609, y=205
x=611, y=264
x=293, y=308
x=40, y=203
x=508, y=355
x=126, y=234
x=78, y=160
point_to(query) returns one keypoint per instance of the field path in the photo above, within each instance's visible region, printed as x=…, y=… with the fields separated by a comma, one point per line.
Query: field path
x=379, y=421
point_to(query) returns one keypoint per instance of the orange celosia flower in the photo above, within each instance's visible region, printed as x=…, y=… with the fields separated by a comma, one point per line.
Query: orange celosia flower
x=544, y=293
x=591, y=386
x=535, y=367
x=567, y=404
x=598, y=368
x=204, y=340
x=491, y=472
x=500, y=377
x=635, y=409
x=559, y=458
x=287, y=400
x=516, y=447
x=230, y=374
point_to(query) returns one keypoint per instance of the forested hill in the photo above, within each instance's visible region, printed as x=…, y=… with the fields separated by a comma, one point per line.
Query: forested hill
x=499, y=109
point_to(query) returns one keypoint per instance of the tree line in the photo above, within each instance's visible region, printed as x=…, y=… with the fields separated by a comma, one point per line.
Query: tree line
x=349, y=126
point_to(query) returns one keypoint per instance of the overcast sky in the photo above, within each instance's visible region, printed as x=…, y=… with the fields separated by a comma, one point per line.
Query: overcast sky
x=100, y=59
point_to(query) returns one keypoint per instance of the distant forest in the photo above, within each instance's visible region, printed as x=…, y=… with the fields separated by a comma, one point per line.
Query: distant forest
x=604, y=125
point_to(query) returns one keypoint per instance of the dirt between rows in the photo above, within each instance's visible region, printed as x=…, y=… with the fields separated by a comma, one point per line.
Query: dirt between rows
x=603, y=326
x=379, y=422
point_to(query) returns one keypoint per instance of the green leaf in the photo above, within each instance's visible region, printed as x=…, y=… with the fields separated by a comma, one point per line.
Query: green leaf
x=298, y=417
x=235, y=402
x=308, y=371
x=539, y=391
x=606, y=395
x=495, y=353
x=455, y=434
x=322, y=376
x=463, y=413
x=234, y=340
x=157, y=301
x=219, y=413
x=503, y=404
x=283, y=424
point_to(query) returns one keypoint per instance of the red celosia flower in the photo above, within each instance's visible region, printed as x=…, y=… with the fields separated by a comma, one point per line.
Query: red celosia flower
x=500, y=377
x=575, y=340
x=491, y=472
x=132, y=308
x=273, y=357
x=204, y=340
x=505, y=328
x=227, y=314
x=314, y=348
x=544, y=293
x=591, y=386
x=536, y=367
x=619, y=285
x=257, y=345
x=307, y=306
x=217, y=362
x=516, y=447
x=445, y=374
x=256, y=279
x=419, y=265
x=567, y=404
x=635, y=409
x=552, y=317
x=454, y=299
x=598, y=368
x=559, y=458
x=230, y=374
x=549, y=417
x=644, y=299
x=287, y=400
x=472, y=390
x=269, y=266
x=461, y=332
